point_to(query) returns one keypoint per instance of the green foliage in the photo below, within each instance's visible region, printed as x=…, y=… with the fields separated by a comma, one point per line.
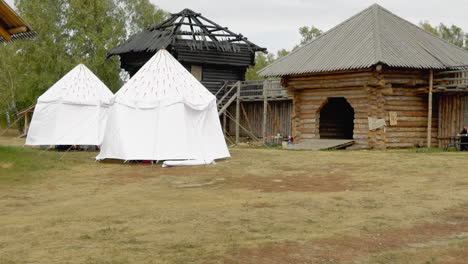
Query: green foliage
x=281, y=53
x=141, y=14
x=308, y=34
x=70, y=32
x=261, y=60
x=452, y=34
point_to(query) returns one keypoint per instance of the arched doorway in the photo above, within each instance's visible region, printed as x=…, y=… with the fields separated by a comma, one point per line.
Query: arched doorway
x=336, y=119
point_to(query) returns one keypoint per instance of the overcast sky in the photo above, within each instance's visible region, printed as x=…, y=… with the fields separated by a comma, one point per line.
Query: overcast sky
x=274, y=23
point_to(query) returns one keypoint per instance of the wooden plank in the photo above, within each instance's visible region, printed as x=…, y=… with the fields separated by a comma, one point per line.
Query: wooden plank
x=238, y=111
x=429, y=110
x=272, y=115
x=318, y=144
x=264, y=119
x=246, y=118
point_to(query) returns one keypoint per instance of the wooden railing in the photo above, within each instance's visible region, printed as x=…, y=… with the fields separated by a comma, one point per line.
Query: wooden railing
x=456, y=80
x=255, y=90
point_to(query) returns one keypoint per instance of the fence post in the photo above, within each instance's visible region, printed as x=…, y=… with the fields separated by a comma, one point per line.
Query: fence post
x=224, y=114
x=238, y=111
x=429, y=110
x=265, y=111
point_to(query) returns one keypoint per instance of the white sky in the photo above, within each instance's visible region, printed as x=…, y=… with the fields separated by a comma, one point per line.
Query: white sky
x=274, y=23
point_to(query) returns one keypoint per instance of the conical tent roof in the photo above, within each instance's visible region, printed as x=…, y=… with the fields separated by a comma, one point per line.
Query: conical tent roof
x=163, y=81
x=78, y=86
x=375, y=35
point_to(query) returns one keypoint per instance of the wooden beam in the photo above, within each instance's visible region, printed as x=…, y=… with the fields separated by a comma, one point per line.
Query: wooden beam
x=429, y=109
x=4, y=34
x=238, y=111
x=247, y=118
x=18, y=30
x=265, y=112
x=224, y=124
x=26, y=123
x=273, y=118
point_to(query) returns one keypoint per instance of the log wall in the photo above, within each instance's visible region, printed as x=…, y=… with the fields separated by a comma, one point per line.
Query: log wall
x=410, y=108
x=375, y=92
x=307, y=108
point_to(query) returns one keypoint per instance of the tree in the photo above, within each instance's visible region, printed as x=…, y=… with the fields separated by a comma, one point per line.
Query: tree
x=308, y=34
x=281, y=53
x=452, y=34
x=141, y=14
x=261, y=61
x=70, y=32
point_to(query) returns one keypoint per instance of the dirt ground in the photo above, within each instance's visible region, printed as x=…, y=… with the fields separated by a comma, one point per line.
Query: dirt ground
x=260, y=206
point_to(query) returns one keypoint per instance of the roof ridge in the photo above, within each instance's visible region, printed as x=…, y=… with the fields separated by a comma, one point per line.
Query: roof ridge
x=377, y=39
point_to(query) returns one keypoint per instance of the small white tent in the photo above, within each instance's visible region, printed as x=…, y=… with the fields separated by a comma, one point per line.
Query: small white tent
x=71, y=112
x=163, y=113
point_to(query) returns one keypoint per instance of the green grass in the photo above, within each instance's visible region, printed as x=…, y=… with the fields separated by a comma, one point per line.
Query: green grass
x=21, y=165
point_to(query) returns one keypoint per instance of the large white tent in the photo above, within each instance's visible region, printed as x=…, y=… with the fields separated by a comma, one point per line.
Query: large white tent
x=71, y=112
x=163, y=113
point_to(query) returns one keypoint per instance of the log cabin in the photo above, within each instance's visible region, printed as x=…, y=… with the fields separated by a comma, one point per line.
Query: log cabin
x=12, y=26
x=377, y=80
x=212, y=53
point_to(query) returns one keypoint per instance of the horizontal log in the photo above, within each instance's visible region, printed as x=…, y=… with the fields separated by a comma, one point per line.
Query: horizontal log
x=331, y=81
x=409, y=129
x=405, y=103
x=421, y=134
x=401, y=145
x=408, y=81
x=403, y=98
x=17, y=30
x=405, y=108
x=332, y=85
x=307, y=120
x=414, y=124
x=412, y=118
x=357, y=136
x=408, y=140
x=308, y=136
x=410, y=114
x=307, y=115
x=327, y=92
x=333, y=76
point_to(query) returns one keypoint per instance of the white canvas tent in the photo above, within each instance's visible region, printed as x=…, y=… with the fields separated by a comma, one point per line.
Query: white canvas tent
x=163, y=113
x=71, y=112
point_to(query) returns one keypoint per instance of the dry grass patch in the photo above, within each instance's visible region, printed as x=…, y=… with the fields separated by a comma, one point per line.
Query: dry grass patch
x=75, y=210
